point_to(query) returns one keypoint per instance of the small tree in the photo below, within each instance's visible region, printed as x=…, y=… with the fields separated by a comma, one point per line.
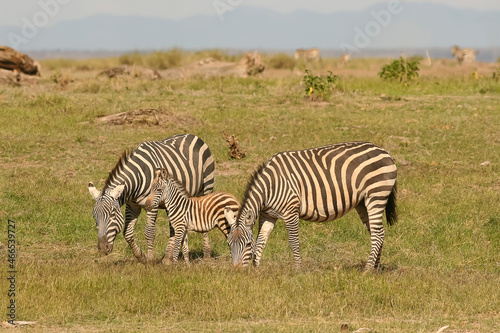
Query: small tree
x=402, y=70
x=320, y=87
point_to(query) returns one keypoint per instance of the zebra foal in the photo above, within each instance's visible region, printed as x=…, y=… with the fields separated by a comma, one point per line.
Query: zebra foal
x=185, y=213
x=318, y=185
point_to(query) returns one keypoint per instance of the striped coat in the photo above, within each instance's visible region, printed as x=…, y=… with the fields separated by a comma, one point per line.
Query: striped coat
x=319, y=185
x=186, y=213
x=185, y=156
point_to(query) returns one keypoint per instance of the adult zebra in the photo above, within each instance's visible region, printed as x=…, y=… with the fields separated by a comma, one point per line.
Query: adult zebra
x=318, y=184
x=307, y=55
x=186, y=157
x=186, y=213
x=464, y=56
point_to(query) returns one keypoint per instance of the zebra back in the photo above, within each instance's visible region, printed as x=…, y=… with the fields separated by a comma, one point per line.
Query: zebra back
x=326, y=181
x=186, y=157
x=205, y=212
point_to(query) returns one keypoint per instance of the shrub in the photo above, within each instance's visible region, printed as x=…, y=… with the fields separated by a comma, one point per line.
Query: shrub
x=320, y=87
x=403, y=70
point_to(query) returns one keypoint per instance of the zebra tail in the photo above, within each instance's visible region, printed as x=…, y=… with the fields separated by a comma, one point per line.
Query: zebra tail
x=391, y=212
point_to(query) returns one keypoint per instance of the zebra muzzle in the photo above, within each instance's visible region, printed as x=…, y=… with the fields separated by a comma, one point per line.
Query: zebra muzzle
x=103, y=246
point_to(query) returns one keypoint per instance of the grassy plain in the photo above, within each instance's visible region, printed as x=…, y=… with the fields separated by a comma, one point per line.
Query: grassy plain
x=441, y=261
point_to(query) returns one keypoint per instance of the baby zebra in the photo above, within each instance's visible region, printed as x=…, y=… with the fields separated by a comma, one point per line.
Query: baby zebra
x=200, y=214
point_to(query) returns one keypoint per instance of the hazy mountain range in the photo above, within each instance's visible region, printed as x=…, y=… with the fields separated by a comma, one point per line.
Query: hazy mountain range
x=416, y=26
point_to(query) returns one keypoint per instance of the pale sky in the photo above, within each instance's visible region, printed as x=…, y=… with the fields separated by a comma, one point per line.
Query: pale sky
x=12, y=12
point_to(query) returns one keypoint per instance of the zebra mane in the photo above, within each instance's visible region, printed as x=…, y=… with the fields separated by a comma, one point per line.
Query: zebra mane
x=250, y=185
x=118, y=167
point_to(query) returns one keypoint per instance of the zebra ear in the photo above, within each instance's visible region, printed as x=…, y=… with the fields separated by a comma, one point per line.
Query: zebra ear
x=117, y=191
x=249, y=218
x=229, y=215
x=95, y=193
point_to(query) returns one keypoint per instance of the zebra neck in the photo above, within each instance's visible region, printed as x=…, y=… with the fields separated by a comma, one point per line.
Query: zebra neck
x=254, y=200
x=253, y=205
x=173, y=199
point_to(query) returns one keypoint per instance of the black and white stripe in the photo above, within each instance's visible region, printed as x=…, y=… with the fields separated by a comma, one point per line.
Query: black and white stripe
x=319, y=184
x=186, y=157
x=185, y=213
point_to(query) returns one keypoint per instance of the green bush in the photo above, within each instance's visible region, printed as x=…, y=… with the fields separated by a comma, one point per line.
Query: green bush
x=403, y=70
x=319, y=87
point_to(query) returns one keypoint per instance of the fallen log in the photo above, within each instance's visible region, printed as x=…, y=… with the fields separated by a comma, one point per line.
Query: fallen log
x=251, y=64
x=15, y=61
x=150, y=117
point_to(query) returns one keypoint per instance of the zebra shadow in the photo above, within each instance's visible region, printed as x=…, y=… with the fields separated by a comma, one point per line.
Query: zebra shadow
x=360, y=267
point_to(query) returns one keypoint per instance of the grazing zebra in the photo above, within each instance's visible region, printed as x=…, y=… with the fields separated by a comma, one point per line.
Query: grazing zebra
x=185, y=156
x=318, y=185
x=467, y=55
x=345, y=59
x=185, y=213
x=307, y=55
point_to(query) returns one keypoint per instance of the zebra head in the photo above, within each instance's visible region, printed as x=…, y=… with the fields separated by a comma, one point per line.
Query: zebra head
x=108, y=216
x=240, y=238
x=157, y=187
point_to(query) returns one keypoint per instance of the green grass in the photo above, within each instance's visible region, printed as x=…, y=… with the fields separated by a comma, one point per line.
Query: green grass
x=440, y=264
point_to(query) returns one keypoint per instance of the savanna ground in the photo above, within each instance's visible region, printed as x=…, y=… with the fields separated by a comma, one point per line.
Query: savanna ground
x=441, y=261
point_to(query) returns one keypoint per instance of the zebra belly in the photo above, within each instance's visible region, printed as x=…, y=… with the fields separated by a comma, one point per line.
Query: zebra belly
x=315, y=213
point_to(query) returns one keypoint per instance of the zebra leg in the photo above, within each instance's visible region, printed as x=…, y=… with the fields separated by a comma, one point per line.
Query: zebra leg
x=185, y=249
x=377, y=233
x=266, y=226
x=207, y=250
x=363, y=214
x=131, y=216
x=292, y=228
x=170, y=245
x=180, y=233
x=149, y=233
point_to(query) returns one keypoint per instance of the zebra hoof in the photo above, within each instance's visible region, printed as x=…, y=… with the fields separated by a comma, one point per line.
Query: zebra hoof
x=142, y=259
x=166, y=261
x=368, y=270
